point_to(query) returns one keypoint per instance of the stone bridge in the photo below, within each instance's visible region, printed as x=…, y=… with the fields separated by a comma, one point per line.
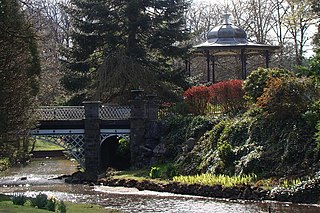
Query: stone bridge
x=91, y=133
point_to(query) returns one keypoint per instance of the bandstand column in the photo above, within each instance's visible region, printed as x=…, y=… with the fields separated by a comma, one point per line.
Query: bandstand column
x=243, y=64
x=208, y=66
x=267, y=58
x=213, y=69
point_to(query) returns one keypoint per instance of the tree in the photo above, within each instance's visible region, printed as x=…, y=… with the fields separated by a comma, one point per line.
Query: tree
x=51, y=25
x=201, y=18
x=19, y=71
x=150, y=33
x=316, y=9
x=298, y=20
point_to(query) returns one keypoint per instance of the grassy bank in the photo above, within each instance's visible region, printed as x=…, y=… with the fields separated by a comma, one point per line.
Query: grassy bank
x=6, y=205
x=41, y=145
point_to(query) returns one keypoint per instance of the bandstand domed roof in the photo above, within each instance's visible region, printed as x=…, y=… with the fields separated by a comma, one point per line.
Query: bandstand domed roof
x=227, y=34
x=230, y=37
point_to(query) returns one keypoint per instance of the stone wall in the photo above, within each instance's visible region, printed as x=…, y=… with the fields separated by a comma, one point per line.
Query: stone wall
x=144, y=127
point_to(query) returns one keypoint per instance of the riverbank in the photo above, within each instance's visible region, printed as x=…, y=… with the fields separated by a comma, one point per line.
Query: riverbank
x=6, y=205
x=307, y=192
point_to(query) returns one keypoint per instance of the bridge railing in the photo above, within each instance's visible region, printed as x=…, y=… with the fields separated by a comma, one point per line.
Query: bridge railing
x=60, y=113
x=106, y=112
x=114, y=112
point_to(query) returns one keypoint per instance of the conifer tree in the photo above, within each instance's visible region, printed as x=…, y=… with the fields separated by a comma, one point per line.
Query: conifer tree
x=19, y=71
x=145, y=33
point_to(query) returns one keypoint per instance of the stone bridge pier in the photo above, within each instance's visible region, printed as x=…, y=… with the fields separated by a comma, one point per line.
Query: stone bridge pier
x=144, y=131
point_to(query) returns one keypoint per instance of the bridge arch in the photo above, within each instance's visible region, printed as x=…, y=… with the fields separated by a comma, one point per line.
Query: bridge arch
x=115, y=152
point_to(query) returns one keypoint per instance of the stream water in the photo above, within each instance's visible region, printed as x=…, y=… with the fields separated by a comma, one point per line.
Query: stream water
x=39, y=177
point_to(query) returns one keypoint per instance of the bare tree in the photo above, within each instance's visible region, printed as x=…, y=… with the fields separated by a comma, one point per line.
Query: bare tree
x=52, y=27
x=201, y=18
x=298, y=20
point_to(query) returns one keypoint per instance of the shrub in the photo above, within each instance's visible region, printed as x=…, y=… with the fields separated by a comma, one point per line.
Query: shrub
x=228, y=95
x=197, y=98
x=51, y=204
x=287, y=97
x=61, y=207
x=39, y=201
x=225, y=153
x=256, y=82
x=155, y=172
x=167, y=109
x=19, y=200
x=170, y=171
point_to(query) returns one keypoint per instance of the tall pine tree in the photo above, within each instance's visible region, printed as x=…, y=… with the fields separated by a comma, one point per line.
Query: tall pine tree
x=119, y=45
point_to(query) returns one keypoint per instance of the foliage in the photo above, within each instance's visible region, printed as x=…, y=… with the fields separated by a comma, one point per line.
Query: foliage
x=123, y=147
x=155, y=172
x=51, y=204
x=312, y=69
x=255, y=142
x=287, y=97
x=256, y=82
x=212, y=179
x=168, y=109
x=228, y=95
x=40, y=201
x=312, y=115
x=19, y=200
x=61, y=207
x=146, y=34
x=197, y=98
x=20, y=68
x=178, y=129
x=4, y=164
x=225, y=152
x=6, y=205
x=164, y=171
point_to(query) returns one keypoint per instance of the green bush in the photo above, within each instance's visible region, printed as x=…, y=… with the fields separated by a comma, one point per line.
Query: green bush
x=287, y=97
x=225, y=152
x=40, y=201
x=170, y=171
x=155, y=172
x=19, y=200
x=61, y=207
x=51, y=204
x=256, y=82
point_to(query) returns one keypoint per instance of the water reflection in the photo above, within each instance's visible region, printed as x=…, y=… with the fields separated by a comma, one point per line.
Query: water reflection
x=126, y=199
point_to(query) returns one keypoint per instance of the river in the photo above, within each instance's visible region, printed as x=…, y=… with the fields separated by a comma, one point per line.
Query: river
x=39, y=177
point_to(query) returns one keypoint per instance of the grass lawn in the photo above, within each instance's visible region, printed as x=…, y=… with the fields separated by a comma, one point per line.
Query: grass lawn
x=6, y=206
x=45, y=146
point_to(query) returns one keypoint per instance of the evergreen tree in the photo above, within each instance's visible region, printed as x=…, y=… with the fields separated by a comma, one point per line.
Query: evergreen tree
x=19, y=70
x=148, y=34
x=316, y=9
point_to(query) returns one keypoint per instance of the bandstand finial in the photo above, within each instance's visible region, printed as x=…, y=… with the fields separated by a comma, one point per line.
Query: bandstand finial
x=226, y=17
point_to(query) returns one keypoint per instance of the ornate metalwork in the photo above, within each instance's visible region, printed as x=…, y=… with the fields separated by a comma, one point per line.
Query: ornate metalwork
x=106, y=112
x=105, y=136
x=60, y=113
x=73, y=143
x=114, y=112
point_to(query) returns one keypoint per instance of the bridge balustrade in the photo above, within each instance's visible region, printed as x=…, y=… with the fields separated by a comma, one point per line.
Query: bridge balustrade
x=45, y=113
x=106, y=112
x=114, y=112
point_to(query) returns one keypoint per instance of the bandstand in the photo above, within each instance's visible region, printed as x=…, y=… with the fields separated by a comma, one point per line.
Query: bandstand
x=229, y=41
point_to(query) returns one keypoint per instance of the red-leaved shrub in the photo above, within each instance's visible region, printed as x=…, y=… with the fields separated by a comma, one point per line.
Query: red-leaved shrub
x=197, y=98
x=228, y=95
